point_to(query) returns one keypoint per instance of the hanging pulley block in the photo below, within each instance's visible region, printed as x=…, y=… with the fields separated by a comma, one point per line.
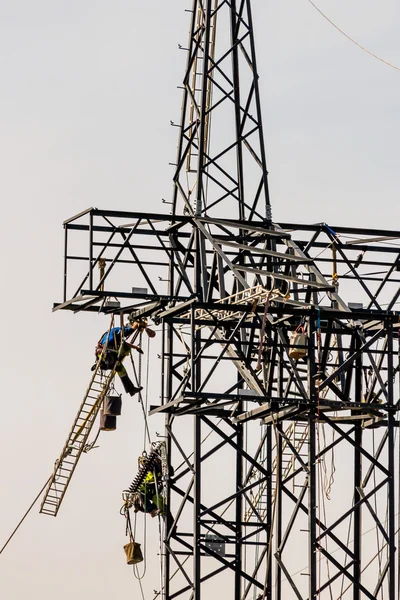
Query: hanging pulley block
x=107, y=422
x=112, y=405
x=133, y=553
x=298, y=345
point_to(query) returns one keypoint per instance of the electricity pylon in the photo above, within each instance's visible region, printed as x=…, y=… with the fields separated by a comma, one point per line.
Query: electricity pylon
x=279, y=359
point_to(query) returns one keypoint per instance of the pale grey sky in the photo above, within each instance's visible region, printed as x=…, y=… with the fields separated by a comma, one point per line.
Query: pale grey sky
x=88, y=90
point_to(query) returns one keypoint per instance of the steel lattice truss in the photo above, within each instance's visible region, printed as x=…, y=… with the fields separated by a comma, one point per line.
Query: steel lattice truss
x=279, y=466
x=221, y=137
x=222, y=366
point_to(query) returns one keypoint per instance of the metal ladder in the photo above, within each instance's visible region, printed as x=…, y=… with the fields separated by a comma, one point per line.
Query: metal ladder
x=298, y=434
x=76, y=442
x=247, y=296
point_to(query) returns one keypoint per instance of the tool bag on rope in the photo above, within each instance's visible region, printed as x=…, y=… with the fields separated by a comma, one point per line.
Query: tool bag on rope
x=133, y=553
x=132, y=549
x=298, y=343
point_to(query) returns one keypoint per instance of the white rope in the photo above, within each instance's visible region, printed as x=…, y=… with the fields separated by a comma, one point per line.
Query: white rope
x=147, y=431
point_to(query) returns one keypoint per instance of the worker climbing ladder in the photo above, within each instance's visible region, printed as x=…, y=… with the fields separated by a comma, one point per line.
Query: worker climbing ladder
x=77, y=441
x=229, y=289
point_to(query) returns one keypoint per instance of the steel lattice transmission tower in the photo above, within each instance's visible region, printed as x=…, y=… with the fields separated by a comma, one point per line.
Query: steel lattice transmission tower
x=283, y=458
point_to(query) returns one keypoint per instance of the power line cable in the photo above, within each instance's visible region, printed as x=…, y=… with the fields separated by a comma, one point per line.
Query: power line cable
x=353, y=40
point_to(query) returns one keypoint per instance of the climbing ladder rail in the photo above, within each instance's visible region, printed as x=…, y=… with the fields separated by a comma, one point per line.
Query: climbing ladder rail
x=77, y=439
x=76, y=442
x=247, y=296
x=297, y=432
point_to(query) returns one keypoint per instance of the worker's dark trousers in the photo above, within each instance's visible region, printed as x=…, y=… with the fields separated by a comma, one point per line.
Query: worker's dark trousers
x=108, y=363
x=128, y=385
x=125, y=380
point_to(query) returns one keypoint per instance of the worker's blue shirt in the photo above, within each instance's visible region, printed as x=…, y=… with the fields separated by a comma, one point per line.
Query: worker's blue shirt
x=114, y=336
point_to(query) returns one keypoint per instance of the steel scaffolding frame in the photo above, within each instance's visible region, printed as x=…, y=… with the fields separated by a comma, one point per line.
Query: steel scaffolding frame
x=251, y=476
x=210, y=353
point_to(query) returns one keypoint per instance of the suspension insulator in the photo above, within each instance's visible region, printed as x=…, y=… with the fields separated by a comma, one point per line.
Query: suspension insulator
x=144, y=469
